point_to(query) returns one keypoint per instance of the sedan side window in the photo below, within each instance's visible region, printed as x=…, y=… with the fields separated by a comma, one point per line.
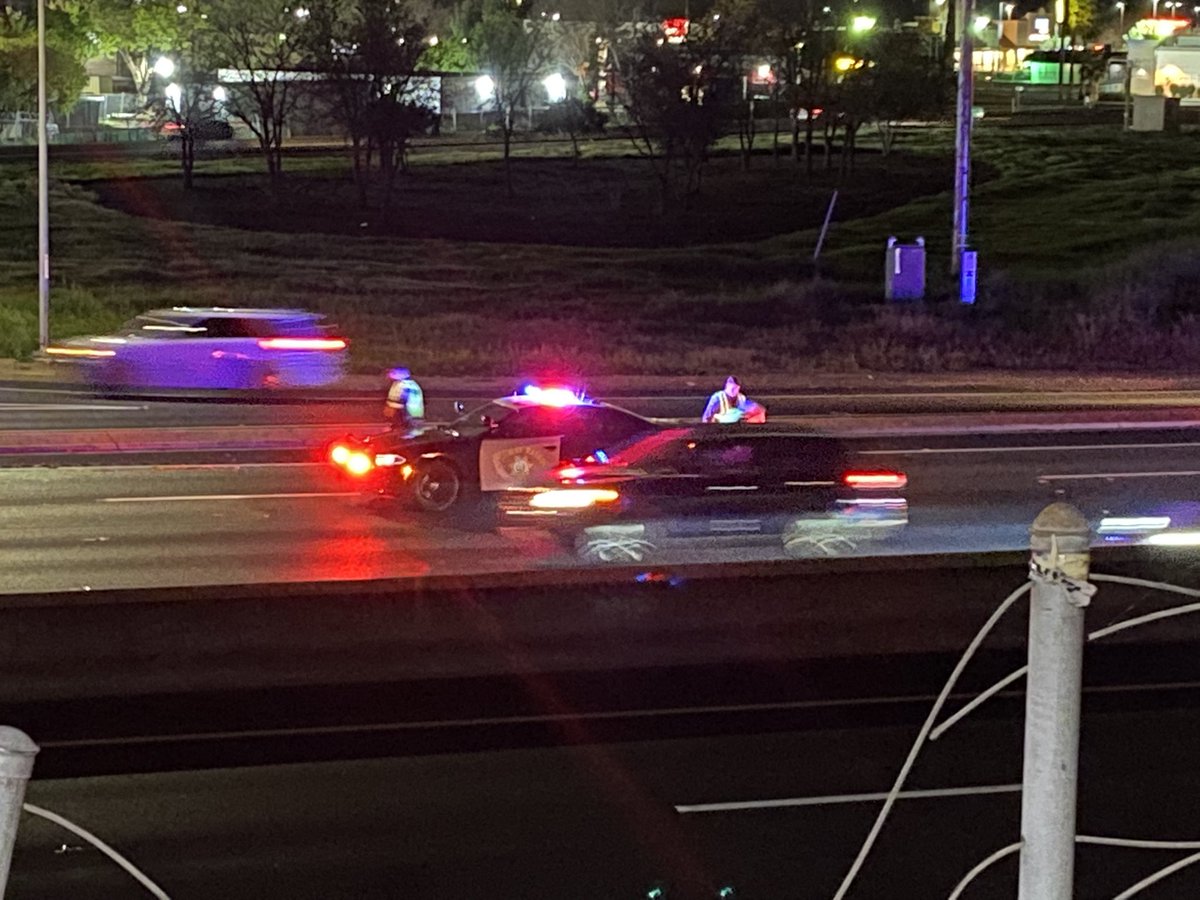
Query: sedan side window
x=231, y=328
x=717, y=456
x=534, y=422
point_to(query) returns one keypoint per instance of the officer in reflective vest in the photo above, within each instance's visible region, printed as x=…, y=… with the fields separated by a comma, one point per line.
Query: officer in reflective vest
x=730, y=405
x=405, y=404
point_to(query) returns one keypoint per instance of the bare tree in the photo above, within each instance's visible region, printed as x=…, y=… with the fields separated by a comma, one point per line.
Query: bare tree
x=186, y=109
x=262, y=40
x=804, y=43
x=366, y=53
x=675, y=97
x=509, y=42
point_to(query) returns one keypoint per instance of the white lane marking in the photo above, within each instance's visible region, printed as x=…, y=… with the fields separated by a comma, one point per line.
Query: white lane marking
x=68, y=407
x=186, y=498
x=966, y=424
x=1115, y=475
x=1041, y=397
x=834, y=799
x=1056, y=448
x=23, y=471
x=59, y=392
x=548, y=718
x=600, y=715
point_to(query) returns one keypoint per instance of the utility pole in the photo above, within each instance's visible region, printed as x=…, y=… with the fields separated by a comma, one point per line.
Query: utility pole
x=17, y=751
x=43, y=261
x=1061, y=592
x=962, y=142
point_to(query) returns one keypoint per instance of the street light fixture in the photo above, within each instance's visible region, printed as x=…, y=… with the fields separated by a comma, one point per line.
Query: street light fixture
x=164, y=67
x=862, y=24
x=1121, y=9
x=556, y=87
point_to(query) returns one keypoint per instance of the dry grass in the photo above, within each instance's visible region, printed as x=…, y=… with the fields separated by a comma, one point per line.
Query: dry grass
x=1077, y=274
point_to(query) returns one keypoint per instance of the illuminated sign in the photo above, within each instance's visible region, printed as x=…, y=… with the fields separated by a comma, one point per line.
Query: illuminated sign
x=675, y=30
x=1157, y=28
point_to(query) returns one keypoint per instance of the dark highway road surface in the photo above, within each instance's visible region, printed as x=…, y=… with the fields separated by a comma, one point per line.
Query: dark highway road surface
x=210, y=523
x=774, y=807
x=63, y=407
x=567, y=783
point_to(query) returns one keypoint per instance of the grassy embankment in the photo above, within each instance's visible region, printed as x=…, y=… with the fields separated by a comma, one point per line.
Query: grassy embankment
x=1086, y=240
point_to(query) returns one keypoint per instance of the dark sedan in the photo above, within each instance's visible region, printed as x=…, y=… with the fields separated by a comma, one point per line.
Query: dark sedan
x=715, y=483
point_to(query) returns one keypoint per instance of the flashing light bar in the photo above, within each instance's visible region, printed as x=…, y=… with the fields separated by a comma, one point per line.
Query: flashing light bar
x=557, y=396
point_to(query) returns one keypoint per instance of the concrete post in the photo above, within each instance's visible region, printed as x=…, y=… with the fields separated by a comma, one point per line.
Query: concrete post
x=1060, y=544
x=17, y=751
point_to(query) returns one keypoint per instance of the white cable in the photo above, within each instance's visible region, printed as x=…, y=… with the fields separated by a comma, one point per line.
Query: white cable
x=1093, y=636
x=1158, y=876
x=154, y=890
x=1136, y=844
x=865, y=850
x=1079, y=839
x=979, y=869
x=1142, y=582
x=978, y=701
x=1142, y=620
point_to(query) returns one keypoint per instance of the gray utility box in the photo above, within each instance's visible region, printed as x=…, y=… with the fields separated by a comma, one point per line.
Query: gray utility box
x=904, y=277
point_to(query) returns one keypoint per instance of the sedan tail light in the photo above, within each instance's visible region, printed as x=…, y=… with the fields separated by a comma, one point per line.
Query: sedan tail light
x=359, y=463
x=572, y=498
x=875, y=481
x=286, y=343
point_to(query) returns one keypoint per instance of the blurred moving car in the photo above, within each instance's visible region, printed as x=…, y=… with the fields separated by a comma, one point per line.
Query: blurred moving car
x=209, y=348
x=731, y=483
x=511, y=441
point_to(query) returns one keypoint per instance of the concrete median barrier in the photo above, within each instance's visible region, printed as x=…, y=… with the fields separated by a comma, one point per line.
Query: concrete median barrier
x=72, y=645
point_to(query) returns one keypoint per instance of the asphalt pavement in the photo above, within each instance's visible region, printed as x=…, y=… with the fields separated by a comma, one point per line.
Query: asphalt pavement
x=599, y=787
x=35, y=405
x=768, y=812
x=73, y=527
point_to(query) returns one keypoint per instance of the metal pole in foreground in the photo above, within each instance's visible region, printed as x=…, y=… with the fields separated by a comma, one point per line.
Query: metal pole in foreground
x=1059, y=569
x=17, y=751
x=962, y=141
x=43, y=188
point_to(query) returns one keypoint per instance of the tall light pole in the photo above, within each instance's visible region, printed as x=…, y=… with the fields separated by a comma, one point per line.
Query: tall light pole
x=1121, y=8
x=962, y=141
x=43, y=187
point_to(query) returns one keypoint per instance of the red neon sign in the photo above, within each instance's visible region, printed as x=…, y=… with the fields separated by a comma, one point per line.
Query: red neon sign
x=675, y=29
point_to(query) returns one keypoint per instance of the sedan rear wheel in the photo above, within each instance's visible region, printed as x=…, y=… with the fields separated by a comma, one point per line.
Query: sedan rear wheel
x=816, y=539
x=614, y=544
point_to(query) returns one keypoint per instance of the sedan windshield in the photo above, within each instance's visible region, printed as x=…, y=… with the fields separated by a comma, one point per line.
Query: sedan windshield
x=480, y=417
